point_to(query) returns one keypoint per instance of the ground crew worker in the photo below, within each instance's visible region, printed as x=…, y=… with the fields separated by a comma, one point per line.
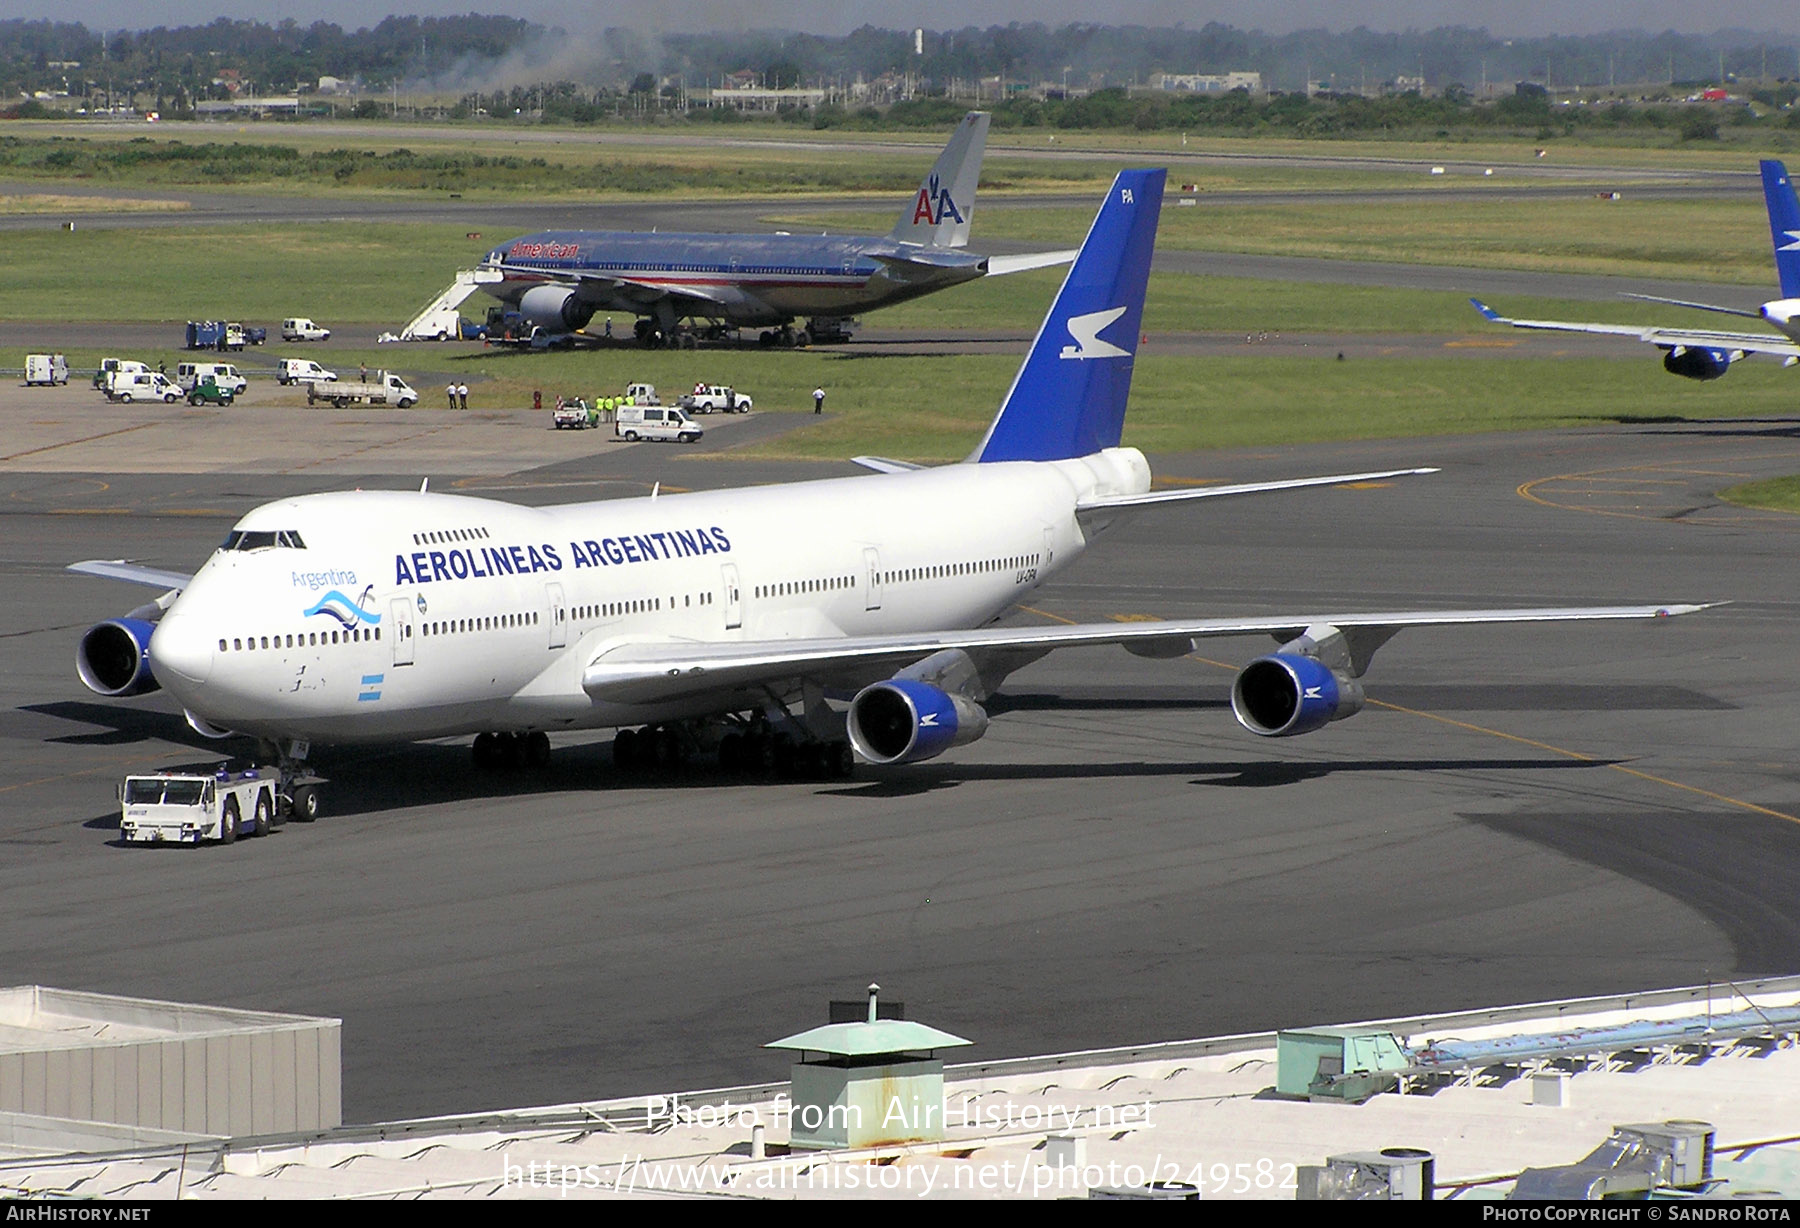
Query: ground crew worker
x=818, y=400
x=450, y=391
x=462, y=394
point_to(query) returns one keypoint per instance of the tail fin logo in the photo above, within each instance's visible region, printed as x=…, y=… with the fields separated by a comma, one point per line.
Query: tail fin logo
x=934, y=203
x=1791, y=247
x=1085, y=329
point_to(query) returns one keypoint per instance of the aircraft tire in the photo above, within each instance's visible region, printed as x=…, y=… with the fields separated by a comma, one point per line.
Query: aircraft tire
x=802, y=339
x=625, y=749
x=731, y=752
x=306, y=804
x=841, y=759
x=537, y=749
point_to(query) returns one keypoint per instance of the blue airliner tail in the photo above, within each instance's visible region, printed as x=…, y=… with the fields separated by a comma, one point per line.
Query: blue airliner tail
x=1784, y=223
x=1069, y=398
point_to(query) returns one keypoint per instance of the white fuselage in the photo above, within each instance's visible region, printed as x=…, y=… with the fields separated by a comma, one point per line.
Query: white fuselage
x=381, y=615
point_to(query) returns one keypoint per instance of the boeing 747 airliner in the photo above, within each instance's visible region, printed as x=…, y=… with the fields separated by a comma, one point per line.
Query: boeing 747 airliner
x=702, y=623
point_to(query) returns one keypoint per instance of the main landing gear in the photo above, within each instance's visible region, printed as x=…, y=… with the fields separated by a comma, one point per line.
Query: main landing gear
x=511, y=751
x=752, y=748
x=786, y=337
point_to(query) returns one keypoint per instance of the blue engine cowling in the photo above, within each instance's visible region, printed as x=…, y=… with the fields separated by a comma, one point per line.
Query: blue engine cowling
x=1697, y=362
x=113, y=657
x=555, y=309
x=1286, y=694
x=906, y=721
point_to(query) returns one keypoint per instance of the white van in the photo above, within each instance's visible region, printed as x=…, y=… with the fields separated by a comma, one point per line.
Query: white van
x=46, y=369
x=226, y=376
x=302, y=371
x=142, y=386
x=638, y=422
x=301, y=329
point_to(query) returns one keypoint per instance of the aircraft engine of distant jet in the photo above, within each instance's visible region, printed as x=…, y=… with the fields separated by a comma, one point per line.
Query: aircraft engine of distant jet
x=555, y=309
x=1783, y=314
x=1698, y=362
x=1285, y=694
x=113, y=658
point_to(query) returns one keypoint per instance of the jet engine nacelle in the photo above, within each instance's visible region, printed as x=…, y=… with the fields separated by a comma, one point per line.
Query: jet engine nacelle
x=555, y=309
x=1697, y=362
x=906, y=721
x=113, y=657
x=1286, y=694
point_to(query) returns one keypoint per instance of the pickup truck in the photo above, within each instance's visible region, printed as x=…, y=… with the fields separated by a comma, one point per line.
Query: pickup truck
x=574, y=415
x=385, y=389
x=111, y=367
x=707, y=397
x=209, y=392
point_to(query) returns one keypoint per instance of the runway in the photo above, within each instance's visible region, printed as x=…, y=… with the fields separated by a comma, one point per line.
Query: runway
x=1521, y=813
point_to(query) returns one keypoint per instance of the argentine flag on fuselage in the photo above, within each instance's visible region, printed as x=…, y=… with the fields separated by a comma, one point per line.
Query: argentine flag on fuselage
x=1069, y=398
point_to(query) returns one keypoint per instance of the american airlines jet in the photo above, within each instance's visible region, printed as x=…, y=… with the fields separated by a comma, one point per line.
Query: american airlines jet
x=558, y=279
x=701, y=623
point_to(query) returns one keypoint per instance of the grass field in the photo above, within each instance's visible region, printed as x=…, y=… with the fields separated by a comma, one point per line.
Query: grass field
x=1701, y=240
x=1592, y=149
x=1775, y=495
x=376, y=275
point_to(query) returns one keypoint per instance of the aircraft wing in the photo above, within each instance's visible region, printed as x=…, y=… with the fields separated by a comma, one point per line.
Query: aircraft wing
x=659, y=672
x=131, y=573
x=1665, y=338
x=623, y=287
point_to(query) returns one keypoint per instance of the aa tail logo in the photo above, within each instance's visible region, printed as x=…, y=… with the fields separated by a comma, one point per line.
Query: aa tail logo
x=1086, y=331
x=934, y=203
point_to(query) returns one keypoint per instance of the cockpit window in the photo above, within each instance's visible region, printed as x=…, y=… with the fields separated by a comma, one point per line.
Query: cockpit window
x=251, y=539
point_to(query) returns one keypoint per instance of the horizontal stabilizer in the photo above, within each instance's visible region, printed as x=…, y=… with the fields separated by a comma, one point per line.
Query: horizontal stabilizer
x=1098, y=504
x=131, y=573
x=999, y=266
x=1682, y=302
x=881, y=464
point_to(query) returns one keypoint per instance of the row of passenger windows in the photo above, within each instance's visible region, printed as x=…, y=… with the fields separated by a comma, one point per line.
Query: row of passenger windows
x=794, y=587
x=942, y=570
x=490, y=622
x=442, y=536
x=641, y=605
x=305, y=639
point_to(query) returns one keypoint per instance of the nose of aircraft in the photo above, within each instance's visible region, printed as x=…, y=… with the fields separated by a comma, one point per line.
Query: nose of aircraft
x=181, y=653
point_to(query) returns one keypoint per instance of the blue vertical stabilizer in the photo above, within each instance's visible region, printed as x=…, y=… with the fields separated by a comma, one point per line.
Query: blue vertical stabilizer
x=1784, y=223
x=1069, y=398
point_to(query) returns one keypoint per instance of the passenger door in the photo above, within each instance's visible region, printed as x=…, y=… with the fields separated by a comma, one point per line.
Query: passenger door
x=734, y=598
x=559, y=616
x=400, y=630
